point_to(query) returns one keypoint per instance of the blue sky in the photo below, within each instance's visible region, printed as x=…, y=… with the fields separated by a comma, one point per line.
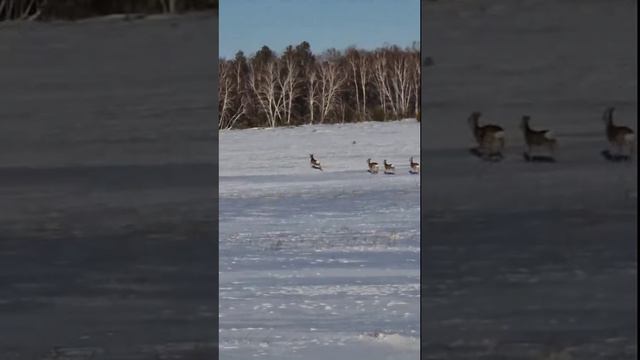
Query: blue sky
x=247, y=25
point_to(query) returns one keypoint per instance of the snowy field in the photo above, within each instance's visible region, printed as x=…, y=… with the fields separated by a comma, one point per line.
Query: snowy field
x=521, y=260
x=317, y=265
x=107, y=189
x=106, y=200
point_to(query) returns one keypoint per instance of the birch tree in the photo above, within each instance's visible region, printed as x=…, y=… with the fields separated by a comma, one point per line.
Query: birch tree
x=231, y=104
x=379, y=67
x=353, y=59
x=293, y=88
x=289, y=83
x=312, y=91
x=364, y=80
x=264, y=82
x=331, y=79
x=401, y=82
x=20, y=9
x=416, y=78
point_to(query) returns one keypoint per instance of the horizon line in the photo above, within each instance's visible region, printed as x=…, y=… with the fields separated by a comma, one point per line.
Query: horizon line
x=279, y=52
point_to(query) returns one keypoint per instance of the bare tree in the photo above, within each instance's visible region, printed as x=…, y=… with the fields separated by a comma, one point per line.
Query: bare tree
x=289, y=82
x=264, y=81
x=295, y=87
x=312, y=91
x=164, y=5
x=20, y=9
x=401, y=82
x=364, y=80
x=231, y=105
x=380, y=66
x=168, y=6
x=74, y=9
x=416, y=79
x=331, y=78
x=353, y=59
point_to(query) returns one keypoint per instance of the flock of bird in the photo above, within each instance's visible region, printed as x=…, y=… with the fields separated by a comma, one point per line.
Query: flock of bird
x=491, y=139
x=373, y=167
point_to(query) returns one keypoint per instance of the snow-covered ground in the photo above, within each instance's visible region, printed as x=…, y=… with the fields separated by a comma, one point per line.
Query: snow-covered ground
x=522, y=260
x=317, y=265
x=108, y=151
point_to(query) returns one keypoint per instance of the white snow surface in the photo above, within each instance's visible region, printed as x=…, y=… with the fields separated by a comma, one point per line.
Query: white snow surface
x=319, y=264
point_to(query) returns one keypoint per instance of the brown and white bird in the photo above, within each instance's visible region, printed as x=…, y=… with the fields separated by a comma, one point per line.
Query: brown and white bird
x=314, y=163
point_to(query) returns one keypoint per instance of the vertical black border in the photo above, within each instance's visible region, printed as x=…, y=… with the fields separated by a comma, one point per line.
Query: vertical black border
x=422, y=232
x=216, y=171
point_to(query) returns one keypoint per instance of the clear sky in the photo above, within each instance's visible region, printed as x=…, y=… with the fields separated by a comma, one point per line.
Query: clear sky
x=247, y=25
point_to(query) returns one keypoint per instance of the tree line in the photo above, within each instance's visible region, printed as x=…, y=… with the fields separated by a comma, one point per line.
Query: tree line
x=77, y=9
x=298, y=87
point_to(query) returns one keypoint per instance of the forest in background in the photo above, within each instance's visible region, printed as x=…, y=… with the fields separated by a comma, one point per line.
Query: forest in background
x=298, y=87
x=78, y=9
